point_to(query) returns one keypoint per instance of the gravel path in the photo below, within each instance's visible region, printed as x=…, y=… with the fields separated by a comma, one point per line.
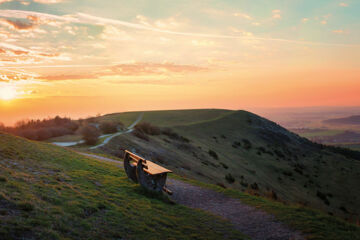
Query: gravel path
x=248, y=220
x=253, y=222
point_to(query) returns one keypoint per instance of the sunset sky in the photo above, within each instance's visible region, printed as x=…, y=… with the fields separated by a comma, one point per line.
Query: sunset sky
x=83, y=57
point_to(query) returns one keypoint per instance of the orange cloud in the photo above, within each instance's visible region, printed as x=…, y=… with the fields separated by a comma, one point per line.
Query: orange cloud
x=153, y=68
x=24, y=25
x=129, y=69
x=68, y=77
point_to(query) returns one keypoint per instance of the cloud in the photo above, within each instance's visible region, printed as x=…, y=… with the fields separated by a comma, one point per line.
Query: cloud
x=89, y=19
x=67, y=77
x=142, y=68
x=48, y=1
x=38, y=1
x=129, y=69
x=342, y=4
x=243, y=15
x=21, y=25
x=339, y=31
x=276, y=14
x=242, y=32
x=304, y=20
x=202, y=43
x=45, y=17
x=20, y=54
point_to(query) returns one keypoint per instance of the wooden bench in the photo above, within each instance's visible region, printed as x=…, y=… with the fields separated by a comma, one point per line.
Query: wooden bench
x=149, y=174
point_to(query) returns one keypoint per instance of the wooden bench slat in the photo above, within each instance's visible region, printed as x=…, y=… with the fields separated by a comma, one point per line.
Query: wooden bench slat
x=151, y=167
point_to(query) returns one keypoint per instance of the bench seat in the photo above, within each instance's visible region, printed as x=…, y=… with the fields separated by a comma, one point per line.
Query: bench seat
x=149, y=166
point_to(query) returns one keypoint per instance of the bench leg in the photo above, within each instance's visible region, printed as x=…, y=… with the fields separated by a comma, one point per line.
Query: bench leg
x=151, y=182
x=130, y=169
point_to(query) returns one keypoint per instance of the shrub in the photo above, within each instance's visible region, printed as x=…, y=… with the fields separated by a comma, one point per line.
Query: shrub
x=229, y=178
x=244, y=184
x=247, y=144
x=224, y=165
x=140, y=134
x=323, y=197
x=108, y=127
x=43, y=129
x=173, y=135
x=90, y=134
x=213, y=154
x=2, y=127
x=29, y=134
x=43, y=134
x=148, y=128
x=254, y=186
x=25, y=206
x=221, y=185
x=279, y=153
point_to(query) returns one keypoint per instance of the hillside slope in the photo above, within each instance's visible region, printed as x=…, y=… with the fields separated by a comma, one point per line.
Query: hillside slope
x=244, y=151
x=47, y=192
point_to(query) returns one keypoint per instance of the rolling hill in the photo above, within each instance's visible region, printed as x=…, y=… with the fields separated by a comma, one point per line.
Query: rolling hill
x=167, y=118
x=49, y=192
x=243, y=151
x=352, y=120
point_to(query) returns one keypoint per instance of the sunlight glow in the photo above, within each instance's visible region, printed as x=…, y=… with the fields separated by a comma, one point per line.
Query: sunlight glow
x=8, y=92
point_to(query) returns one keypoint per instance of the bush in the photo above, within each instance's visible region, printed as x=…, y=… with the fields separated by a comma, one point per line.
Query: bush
x=173, y=135
x=148, y=128
x=90, y=134
x=254, y=186
x=43, y=129
x=224, y=165
x=323, y=197
x=213, y=154
x=25, y=206
x=229, y=178
x=43, y=134
x=247, y=144
x=140, y=134
x=108, y=127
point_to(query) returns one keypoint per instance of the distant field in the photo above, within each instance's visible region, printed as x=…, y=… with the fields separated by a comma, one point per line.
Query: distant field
x=168, y=118
x=320, y=133
x=352, y=146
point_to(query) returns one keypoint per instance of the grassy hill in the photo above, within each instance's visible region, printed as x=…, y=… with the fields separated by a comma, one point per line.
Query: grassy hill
x=240, y=150
x=352, y=120
x=47, y=192
x=167, y=118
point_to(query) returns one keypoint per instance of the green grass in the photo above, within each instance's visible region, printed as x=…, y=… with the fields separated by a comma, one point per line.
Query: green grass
x=298, y=176
x=315, y=224
x=168, y=118
x=48, y=192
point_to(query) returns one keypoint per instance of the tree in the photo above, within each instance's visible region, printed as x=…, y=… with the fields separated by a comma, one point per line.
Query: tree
x=108, y=127
x=90, y=134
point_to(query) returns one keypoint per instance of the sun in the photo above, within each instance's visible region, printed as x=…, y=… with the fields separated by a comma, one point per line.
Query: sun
x=8, y=92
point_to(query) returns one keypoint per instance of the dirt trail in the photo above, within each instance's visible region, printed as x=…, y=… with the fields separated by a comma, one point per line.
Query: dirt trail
x=253, y=222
